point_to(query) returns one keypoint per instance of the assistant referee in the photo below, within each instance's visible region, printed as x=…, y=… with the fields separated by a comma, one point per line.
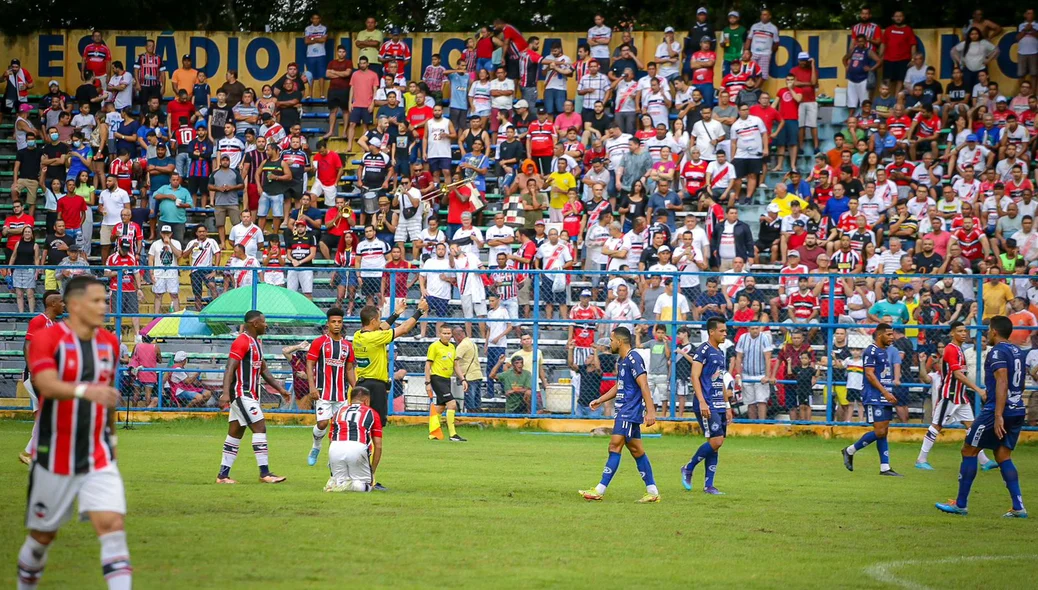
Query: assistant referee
x=369, y=347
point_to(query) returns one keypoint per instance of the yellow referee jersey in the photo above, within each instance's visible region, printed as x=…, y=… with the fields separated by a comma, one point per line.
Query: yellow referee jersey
x=442, y=358
x=372, y=357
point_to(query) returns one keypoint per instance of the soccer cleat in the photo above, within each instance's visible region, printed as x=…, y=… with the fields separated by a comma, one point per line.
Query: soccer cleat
x=225, y=480
x=848, y=460
x=379, y=487
x=24, y=457
x=271, y=478
x=311, y=459
x=713, y=491
x=591, y=495
x=989, y=466
x=890, y=473
x=686, y=479
x=951, y=508
x=649, y=499
x=923, y=465
x=457, y=438
x=1016, y=514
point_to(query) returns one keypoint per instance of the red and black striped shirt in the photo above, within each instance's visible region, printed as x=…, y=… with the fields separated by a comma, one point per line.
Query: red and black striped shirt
x=246, y=380
x=149, y=66
x=951, y=388
x=72, y=434
x=356, y=423
x=331, y=358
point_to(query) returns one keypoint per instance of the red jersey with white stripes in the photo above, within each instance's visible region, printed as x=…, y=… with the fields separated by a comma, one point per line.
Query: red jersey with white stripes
x=694, y=175
x=96, y=57
x=331, y=357
x=542, y=139
x=951, y=388
x=584, y=334
x=36, y=324
x=72, y=436
x=130, y=230
x=246, y=381
x=357, y=423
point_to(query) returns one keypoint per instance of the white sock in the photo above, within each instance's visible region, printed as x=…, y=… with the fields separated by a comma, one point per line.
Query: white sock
x=982, y=458
x=230, y=453
x=319, y=436
x=928, y=442
x=31, y=559
x=259, y=448
x=851, y=450
x=600, y=489
x=115, y=561
x=652, y=490
x=884, y=467
x=32, y=438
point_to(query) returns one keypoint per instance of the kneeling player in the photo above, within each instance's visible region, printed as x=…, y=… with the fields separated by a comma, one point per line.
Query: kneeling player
x=712, y=403
x=950, y=401
x=633, y=405
x=1000, y=421
x=356, y=430
x=330, y=370
x=879, y=401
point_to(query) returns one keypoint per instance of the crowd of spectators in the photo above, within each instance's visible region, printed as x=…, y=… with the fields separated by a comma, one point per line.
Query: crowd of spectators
x=619, y=160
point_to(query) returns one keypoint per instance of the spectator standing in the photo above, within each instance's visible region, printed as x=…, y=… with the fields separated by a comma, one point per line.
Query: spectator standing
x=363, y=84
x=973, y=56
x=733, y=40
x=859, y=63
x=668, y=55
x=315, y=35
x=184, y=77
x=338, y=72
x=164, y=254
x=1027, y=49
x=226, y=184
x=754, y=370
x=202, y=252
x=805, y=77
x=97, y=59
x=598, y=39
x=764, y=41
x=369, y=41
x=173, y=201
x=750, y=138
x=150, y=72
x=557, y=69
x=899, y=45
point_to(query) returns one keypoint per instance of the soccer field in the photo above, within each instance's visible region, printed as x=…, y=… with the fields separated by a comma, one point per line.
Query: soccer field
x=502, y=511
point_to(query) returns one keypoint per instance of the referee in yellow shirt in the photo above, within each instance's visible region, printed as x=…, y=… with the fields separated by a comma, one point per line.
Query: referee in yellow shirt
x=369, y=347
x=440, y=364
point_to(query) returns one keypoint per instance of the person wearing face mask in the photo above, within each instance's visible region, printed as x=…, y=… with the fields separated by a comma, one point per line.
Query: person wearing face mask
x=27, y=168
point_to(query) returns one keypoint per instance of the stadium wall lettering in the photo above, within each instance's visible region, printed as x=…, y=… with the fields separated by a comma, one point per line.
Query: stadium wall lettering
x=262, y=57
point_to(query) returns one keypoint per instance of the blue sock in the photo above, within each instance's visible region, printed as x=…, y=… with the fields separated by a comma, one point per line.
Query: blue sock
x=866, y=439
x=612, y=464
x=711, y=469
x=1012, y=479
x=702, y=453
x=967, y=473
x=645, y=469
x=883, y=447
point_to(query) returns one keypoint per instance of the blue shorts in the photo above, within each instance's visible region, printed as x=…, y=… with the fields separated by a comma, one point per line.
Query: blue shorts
x=626, y=428
x=361, y=115
x=437, y=164
x=788, y=135
x=317, y=66
x=878, y=413
x=548, y=296
x=346, y=278
x=437, y=306
x=982, y=434
x=715, y=425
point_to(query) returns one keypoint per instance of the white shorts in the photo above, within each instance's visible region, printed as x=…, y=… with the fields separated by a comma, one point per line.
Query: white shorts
x=659, y=387
x=857, y=92
x=946, y=412
x=399, y=305
x=301, y=281
x=408, y=230
x=348, y=461
x=51, y=496
x=326, y=410
x=327, y=191
x=755, y=393
x=808, y=115
x=471, y=309
x=245, y=411
x=171, y=286
x=33, y=398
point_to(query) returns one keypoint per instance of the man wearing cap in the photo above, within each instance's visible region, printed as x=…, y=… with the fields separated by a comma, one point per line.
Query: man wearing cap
x=184, y=77
x=668, y=55
x=732, y=38
x=187, y=388
x=972, y=154
x=164, y=254
x=788, y=283
x=693, y=42
x=805, y=76
x=301, y=245
x=764, y=41
x=394, y=49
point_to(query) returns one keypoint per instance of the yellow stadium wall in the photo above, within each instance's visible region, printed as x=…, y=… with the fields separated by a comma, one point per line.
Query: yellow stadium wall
x=261, y=58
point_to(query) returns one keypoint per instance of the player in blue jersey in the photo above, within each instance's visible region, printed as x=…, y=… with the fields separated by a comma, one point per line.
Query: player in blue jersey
x=633, y=408
x=712, y=407
x=878, y=399
x=998, y=426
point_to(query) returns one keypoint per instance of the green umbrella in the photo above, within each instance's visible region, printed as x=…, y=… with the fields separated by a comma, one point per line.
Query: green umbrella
x=280, y=305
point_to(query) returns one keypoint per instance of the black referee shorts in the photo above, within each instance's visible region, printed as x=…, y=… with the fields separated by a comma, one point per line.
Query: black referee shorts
x=441, y=387
x=379, y=396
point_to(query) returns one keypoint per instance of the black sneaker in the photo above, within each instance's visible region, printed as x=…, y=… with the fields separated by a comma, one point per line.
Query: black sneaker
x=890, y=473
x=457, y=438
x=380, y=487
x=848, y=460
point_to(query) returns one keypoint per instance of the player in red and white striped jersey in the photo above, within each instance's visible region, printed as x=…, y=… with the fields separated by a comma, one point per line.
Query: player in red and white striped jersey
x=951, y=401
x=331, y=371
x=73, y=366
x=54, y=306
x=241, y=384
x=356, y=430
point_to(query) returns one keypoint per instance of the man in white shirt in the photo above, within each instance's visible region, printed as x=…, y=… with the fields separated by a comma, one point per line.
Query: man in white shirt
x=557, y=70
x=1027, y=50
x=247, y=234
x=750, y=149
x=165, y=252
x=708, y=133
x=972, y=154
x=763, y=40
x=502, y=93
x=470, y=286
x=598, y=38
x=468, y=236
x=409, y=229
x=719, y=176
x=689, y=261
x=645, y=82
x=371, y=261
x=499, y=237
x=435, y=284
x=617, y=145
x=668, y=55
x=616, y=248
x=199, y=253
x=622, y=310
x=120, y=86
x=111, y=203
x=966, y=186
x=555, y=256
x=238, y=274
x=1004, y=168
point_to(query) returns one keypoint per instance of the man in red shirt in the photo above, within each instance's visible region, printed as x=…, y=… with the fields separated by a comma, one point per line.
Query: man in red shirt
x=131, y=277
x=923, y=132
x=972, y=242
x=328, y=165
x=768, y=114
x=181, y=108
x=540, y=141
x=897, y=49
x=805, y=75
x=900, y=171
x=418, y=115
x=403, y=280
x=395, y=49
x=582, y=336
x=787, y=102
x=14, y=224
x=97, y=58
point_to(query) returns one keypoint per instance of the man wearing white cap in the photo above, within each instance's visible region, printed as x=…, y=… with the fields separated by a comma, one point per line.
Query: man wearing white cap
x=165, y=253
x=700, y=29
x=186, y=388
x=806, y=83
x=764, y=41
x=668, y=55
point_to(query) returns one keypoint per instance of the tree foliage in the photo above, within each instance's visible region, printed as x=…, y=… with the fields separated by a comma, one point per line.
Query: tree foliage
x=19, y=16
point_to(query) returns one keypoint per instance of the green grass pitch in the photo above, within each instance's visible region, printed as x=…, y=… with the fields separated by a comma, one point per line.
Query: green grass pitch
x=502, y=511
